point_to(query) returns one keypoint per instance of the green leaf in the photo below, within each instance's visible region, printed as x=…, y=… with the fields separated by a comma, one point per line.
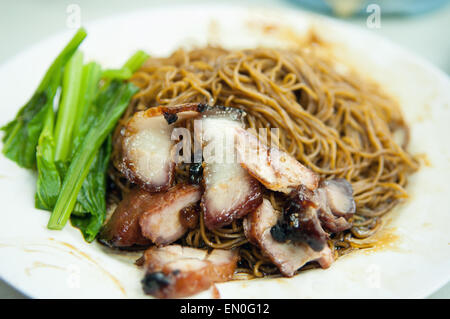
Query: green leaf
x=22, y=134
x=49, y=180
x=68, y=108
x=89, y=211
x=92, y=196
x=111, y=104
x=120, y=74
x=136, y=61
x=88, y=90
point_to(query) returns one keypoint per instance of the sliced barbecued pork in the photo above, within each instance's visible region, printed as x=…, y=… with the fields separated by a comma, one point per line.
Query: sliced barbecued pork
x=274, y=168
x=175, y=271
x=148, y=157
x=288, y=257
x=336, y=205
x=309, y=214
x=161, y=222
x=329, y=221
x=339, y=194
x=301, y=221
x=230, y=192
x=142, y=218
x=122, y=229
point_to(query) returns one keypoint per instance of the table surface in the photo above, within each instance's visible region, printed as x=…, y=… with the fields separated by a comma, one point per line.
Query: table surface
x=32, y=21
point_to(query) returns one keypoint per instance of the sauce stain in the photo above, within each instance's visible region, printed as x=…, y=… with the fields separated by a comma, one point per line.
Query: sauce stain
x=385, y=239
x=72, y=251
x=424, y=115
x=27, y=250
x=77, y=253
x=38, y=264
x=286, y=33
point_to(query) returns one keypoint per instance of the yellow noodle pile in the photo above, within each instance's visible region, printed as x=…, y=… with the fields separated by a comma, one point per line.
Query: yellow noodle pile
x=339, y=125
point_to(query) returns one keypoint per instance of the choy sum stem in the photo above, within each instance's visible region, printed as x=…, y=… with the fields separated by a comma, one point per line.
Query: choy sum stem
x=114, y=101
x=88, y=90
x=135, y=61
x=22, y=134
x=68, y=109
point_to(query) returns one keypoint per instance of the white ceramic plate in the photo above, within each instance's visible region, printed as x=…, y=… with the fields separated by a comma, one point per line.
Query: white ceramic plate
x=416, y=258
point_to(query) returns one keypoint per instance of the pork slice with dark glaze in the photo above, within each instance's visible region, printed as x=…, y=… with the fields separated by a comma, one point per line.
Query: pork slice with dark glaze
x=147, y=149
x=230, y=192
x=161, y=221
x=336, y=205
x=309, y=216
x=288, y=256
x=339, y=194
x=123, y=230
x=329, y=221
x=303, y=223
x=175, y=271
x=274, y=168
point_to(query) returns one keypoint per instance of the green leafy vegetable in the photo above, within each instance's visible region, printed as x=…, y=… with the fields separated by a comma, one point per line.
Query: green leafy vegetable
x=121, y=74
x=22, y=134
x=127, y=70
x=71, y=149
x=135, y=61
x=91, y=197
x=113, y=102
x=88, y=90
x=68, y=107
x=51, y=172
x=49, y=180
x=90, y=209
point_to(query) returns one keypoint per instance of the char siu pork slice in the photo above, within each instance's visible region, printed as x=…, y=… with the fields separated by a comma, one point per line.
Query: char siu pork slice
x=142, y=218
x=175, y=271
x=309, y=216
x=162, y=221
x=147, y=149
x=230, y=192
x=122, y=229
x=274, y=168
x=339, y=194
x=288, y=257
x=301, y=221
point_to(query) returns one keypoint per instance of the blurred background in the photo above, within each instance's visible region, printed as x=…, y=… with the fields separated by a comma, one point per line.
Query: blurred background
x=421, y=26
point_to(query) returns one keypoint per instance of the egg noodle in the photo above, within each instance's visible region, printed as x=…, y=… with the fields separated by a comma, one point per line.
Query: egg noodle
x=336, y=123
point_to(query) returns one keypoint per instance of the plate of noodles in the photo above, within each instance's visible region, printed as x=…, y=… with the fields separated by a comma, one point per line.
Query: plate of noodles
x=254, y=153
